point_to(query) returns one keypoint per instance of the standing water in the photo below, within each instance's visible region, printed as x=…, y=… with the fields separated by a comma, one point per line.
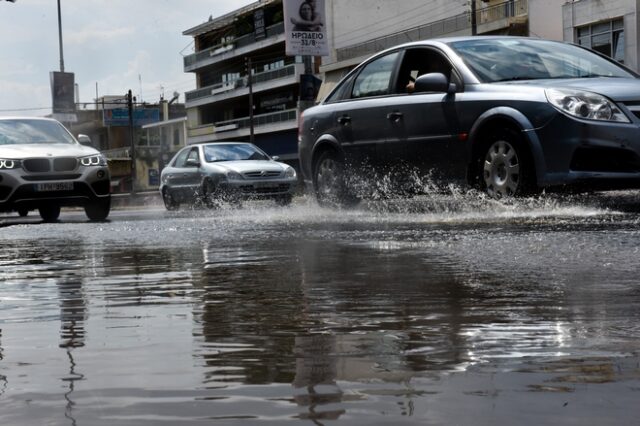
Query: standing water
x=452, y=310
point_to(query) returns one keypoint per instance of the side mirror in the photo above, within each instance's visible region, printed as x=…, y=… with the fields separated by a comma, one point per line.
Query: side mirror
x=85, y=140
x=193, y=163
x=434, y=82
x=275, y=158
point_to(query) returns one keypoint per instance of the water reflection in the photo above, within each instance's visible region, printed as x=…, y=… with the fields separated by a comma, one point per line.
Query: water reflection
x=279, y=318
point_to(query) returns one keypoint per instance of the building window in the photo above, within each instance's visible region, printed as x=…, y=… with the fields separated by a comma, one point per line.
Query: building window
x=176, y=137
x=604, y=37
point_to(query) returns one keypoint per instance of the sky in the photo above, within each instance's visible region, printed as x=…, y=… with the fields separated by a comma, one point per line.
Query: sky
x=115, y=45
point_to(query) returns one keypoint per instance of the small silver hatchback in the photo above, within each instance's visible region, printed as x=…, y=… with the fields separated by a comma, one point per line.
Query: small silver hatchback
x=212, y=173
x=43, y=167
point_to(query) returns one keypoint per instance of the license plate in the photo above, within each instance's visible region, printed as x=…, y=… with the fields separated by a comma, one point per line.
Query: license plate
x=54, y=186
x=265, y=185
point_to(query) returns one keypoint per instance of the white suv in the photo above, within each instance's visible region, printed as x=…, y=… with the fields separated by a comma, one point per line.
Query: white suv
x=43, y=167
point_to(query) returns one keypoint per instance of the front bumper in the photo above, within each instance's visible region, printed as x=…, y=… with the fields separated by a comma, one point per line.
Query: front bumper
x=573, y=152
x=272, y=188
x=22, y=190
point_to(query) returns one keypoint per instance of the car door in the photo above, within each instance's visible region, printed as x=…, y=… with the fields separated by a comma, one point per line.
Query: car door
x=361, y=119
x=191, y=174
x=424, y=126
x=172, y=174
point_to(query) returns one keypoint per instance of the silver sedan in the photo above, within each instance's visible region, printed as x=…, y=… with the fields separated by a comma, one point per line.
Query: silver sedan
x=218, y=172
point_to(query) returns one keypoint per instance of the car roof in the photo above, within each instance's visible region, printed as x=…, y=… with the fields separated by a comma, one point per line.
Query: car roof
x=27, y=118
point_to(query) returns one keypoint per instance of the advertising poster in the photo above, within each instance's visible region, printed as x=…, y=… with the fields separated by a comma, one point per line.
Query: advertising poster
x=305, y=28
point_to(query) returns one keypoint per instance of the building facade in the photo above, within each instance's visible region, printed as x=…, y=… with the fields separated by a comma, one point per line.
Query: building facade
x=610, y=27
x=247, y=87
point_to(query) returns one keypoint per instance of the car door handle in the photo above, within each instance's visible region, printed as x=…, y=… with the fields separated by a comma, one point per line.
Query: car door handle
x=394, y=116
x=344, y=120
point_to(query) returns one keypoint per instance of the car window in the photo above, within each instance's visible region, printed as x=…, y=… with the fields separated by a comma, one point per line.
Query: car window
x=420, y=61
x=32, y=131
x=193, y=155
x=375, y=77
x=526, y=59
x=343, y=91
x=233, y=152
x=181, y=158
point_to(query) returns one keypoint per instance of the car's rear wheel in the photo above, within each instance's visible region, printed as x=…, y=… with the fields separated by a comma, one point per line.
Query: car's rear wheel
x=329, y=181
x=98, y=210
x=49, y=213
x=169, y=202
x=506, y=168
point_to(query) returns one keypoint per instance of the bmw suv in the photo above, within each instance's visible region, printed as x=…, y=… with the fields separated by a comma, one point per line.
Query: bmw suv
x=43, y=167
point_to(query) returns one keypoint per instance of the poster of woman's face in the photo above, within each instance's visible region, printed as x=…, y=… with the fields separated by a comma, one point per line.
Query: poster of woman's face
x=305, y=27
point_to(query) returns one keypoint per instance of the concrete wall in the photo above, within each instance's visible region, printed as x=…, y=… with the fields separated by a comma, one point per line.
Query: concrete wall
x=583, y=12
x=545, y=19
x=352, y=22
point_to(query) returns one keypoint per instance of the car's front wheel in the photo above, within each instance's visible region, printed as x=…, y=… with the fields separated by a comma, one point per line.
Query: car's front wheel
x=210, y=194
x=98, y=210
x=49, y=213
x=169, y=202
x=506, y=169
x=329, y=181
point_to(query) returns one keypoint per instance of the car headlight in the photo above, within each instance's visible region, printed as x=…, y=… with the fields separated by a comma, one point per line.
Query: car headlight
x=290, y=173
x=93, y=160
x=585, y=105
x=9, y=164
x=234, y=176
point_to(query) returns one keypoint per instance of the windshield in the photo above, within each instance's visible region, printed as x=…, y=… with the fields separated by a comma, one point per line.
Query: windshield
x=29, y=131
x=232, y=152
x=526, y=59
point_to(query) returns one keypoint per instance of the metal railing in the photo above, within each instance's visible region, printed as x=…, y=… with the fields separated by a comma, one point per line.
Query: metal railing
x=434, y=29
x=236, y=43
x=263, y=77
x=245, y=122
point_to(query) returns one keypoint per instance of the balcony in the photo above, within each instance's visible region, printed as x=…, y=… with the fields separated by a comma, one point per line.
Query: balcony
x=267, y=80
x=495, y=18
x=240, y=127
x=237, y=47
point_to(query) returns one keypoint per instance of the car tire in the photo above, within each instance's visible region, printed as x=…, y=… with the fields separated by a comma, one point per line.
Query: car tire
x=506, y=169
x=98, y=210
x=329, y=181
x=210, y=194
x=169, y=202
x=49, y=213
x=23, y=212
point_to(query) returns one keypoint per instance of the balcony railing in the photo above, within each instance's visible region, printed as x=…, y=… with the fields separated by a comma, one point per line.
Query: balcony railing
x=263, y=77
x=237, y=43
x=443, y=27
x=245, y=122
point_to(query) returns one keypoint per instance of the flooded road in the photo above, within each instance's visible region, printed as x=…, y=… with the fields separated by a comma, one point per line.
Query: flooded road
x=441, y=311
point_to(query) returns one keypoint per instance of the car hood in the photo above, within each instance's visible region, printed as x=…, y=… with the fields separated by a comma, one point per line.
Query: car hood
x=251, y=166
x=21, y=151
x=617, y=89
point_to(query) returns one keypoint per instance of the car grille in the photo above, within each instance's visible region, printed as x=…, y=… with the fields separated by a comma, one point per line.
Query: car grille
x=262, y=174
x=65, y=164
x=280, y=188
x=44, y=165
x=37, y=165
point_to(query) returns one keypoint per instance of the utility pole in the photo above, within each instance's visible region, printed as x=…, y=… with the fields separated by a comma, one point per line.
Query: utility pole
x=132, y=153
x=474, y=24
x=60, y=38
x=251, y=133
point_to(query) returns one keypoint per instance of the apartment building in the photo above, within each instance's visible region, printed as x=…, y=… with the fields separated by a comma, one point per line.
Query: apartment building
x=610, y=27
x=240, y=62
